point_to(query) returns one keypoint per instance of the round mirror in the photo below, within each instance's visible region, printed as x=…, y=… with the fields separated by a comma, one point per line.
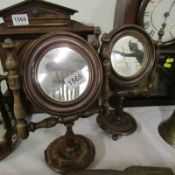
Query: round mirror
x=131, y=55
x=128, y=56
x=63, y=74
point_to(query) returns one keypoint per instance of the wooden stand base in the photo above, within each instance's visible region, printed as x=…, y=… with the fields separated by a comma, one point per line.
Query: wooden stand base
x=115, y=125
x=61, y=158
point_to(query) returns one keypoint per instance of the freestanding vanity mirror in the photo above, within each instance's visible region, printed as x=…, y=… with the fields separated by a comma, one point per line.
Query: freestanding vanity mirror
x=25, y=22
x=61, y=75
x=128, y=62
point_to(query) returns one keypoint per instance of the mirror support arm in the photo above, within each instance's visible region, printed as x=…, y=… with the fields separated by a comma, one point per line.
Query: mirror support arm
x=106, y=92
x=50, y=122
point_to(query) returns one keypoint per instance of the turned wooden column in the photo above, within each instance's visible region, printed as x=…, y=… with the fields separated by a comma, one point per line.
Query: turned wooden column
x=15, y=86
x=106, y=92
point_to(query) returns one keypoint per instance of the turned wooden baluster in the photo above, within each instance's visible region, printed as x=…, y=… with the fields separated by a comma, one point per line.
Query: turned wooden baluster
x=106, y=92
x=15, y=86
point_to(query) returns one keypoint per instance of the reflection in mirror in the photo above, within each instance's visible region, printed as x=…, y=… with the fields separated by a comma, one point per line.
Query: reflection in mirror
x=63, y=74
x=128, y=56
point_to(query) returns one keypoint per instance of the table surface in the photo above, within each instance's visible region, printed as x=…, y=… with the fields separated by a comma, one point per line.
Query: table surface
x=142, y=148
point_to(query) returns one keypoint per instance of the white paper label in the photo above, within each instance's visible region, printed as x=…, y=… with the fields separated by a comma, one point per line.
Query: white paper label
x=1, y=20
x=75, y=79
x=20, y=20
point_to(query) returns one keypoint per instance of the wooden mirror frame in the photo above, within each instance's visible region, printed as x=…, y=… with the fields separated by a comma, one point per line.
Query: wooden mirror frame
x=138, y=33
x=32, y=58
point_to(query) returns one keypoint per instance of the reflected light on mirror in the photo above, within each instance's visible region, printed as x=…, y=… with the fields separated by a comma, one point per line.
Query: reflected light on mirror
x=42, y=77
x=116, y=57
x=62, y=54
x=85, y=72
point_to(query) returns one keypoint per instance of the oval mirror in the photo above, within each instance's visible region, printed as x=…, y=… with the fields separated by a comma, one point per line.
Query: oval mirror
x=128, y=56
x=131, y=55
x=63, y=74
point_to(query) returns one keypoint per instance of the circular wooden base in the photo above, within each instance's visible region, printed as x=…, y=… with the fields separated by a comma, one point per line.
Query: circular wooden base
x=116, y=126
x=61, y=159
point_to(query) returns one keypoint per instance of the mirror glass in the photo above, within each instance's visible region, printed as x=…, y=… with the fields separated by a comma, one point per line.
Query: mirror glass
x=128, y=56
x=63, y=74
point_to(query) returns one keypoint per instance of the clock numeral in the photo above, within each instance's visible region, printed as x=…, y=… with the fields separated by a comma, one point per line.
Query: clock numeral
x=147, y=24
x=151, y=33
x=146, y=13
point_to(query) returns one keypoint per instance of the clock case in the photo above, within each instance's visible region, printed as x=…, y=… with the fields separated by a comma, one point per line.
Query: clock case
x=128, y=12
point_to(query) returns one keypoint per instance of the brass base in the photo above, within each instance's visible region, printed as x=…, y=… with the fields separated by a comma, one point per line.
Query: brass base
x=167, y=130
x=164, y=134
x=78, y=157
x=116, y=126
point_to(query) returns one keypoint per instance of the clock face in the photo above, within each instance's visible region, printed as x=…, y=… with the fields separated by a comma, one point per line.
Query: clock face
x=159, y=14
x=127, y=56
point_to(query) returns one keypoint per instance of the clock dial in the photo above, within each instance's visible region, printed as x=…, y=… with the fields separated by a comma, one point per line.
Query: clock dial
x=160, y=14
x=127, y=56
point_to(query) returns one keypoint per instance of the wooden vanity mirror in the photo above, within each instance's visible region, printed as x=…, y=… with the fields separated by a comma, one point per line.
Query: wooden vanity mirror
x=128, y=56
x=61, y=74
x=52, y=68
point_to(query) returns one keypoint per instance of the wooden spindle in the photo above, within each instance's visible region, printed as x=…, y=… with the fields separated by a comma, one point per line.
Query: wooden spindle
x=15, y=86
